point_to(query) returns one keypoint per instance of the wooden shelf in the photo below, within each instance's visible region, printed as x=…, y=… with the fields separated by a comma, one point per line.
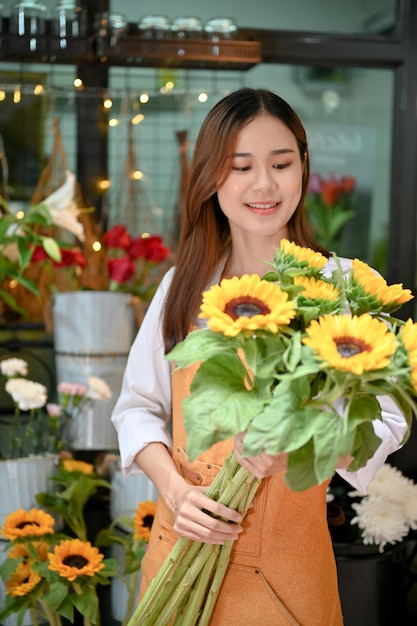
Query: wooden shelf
x=132, y=50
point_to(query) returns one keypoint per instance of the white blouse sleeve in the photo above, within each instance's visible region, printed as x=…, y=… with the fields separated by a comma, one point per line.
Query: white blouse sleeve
x=391, y=430
x=143, y=409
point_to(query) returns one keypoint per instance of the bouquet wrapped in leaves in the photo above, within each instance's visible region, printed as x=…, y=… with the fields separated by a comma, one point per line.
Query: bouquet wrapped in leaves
x=297, y=361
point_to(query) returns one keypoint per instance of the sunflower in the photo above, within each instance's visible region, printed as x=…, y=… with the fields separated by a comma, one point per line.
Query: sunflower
x=143, y=519
x=351, y=343
x=71, y=465
x=21, y=550
x=408, y=336
x=22, y=581
x=246, y=303
x=72, y=558
x=305, y=257
x=373, y=285
x=316, y=289
x=27, y=524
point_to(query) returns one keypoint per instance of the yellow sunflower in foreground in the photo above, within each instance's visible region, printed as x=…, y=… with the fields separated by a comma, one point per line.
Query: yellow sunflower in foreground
x=351, y=343
x=32, y=523
x=72, y=465
x=22, y=581
x=304, y=256
x=408, y=336
x=72, y=558
x=316, y=289
x=143, y=520
x=246, y=303
x=375, y=285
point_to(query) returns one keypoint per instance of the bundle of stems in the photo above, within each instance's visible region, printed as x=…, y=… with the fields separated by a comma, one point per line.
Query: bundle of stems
x=186, y=587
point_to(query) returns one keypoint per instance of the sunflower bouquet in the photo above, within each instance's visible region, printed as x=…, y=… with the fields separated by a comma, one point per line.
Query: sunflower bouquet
x=295, y=360
x=49, y=574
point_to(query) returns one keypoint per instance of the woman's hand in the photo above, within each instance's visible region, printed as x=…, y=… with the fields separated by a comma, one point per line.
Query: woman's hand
x=261, y=465
x=195, y=517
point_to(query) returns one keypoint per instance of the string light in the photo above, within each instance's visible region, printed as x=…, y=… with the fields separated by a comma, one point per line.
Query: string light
x=138, y=118
x=17, y=95
x=113, y=122
x=96, y=245
x=2, y=95
x=144, y=98
x=78, y=83
x=136, y=175
x=202, y=97
x=38, y=90
x=108, y=103
x=104, y=184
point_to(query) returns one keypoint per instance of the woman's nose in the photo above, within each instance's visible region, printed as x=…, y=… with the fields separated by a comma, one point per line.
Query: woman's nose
x=264, y=180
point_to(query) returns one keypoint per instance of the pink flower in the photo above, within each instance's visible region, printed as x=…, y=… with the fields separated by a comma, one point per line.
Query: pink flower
x=72, y=389
x=117, y=237
x=54, y=410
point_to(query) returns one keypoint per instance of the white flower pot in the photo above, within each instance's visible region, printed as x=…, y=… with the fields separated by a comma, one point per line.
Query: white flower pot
x=126, y=493
x=93, y=332
x=20, y=481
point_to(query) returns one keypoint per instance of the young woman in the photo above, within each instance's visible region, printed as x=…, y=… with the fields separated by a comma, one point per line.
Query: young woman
x=247, y=187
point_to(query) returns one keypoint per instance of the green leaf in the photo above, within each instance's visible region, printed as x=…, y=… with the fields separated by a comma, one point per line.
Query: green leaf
x=67, y=610
x=52, y=248
x=300, y=472
x=285, y=423
x=220, y=405
x=87, y=604
x=200, y=345
x=58, y=591
x=365, y=445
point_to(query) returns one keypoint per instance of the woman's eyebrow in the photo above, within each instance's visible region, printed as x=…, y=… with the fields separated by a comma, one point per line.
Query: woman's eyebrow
x=278, y=151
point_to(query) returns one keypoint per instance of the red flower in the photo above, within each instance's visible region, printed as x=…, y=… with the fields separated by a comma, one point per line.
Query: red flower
x=117, y=237
x=149, y=248
x=39, y=254
x=121, y=269
x=71, y=256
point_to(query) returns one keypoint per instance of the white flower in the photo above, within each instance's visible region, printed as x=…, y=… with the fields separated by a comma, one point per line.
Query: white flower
x=13, y=367
x=381, y=521
x=26, y=393
x=63, y=208
x=389, y=511
x=388, y=481
x=98, y=389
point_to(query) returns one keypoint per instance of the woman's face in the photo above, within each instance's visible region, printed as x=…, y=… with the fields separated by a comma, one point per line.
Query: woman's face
x=263, y=188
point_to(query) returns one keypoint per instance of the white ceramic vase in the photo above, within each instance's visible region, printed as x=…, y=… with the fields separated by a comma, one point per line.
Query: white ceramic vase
x=93, y=332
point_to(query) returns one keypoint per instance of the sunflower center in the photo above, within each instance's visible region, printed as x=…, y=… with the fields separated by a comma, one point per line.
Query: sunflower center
x=75, y=560
x=24, y=524
x=350, y=346
x=148, y=521
x=245, y=306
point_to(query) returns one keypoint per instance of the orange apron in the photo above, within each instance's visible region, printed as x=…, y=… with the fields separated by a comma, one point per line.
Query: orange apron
x=282, y=570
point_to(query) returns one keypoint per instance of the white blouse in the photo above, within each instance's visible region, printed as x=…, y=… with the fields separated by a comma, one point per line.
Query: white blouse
x=142, y=412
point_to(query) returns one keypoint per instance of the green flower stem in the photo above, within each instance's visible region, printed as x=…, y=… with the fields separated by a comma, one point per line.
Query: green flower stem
x=193, y=569
x=53, y=618
x=196, y=598
x=79, y=591
x=221, y=567
x=132, y=585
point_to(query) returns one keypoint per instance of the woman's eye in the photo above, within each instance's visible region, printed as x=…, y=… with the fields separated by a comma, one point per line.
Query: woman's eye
x=241, y=168
x=281, y=166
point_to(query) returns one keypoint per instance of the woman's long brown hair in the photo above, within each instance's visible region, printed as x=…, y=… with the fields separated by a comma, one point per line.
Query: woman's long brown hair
x=205, y=229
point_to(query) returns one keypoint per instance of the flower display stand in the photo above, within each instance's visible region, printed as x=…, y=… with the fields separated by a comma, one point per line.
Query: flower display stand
x=93, y=332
